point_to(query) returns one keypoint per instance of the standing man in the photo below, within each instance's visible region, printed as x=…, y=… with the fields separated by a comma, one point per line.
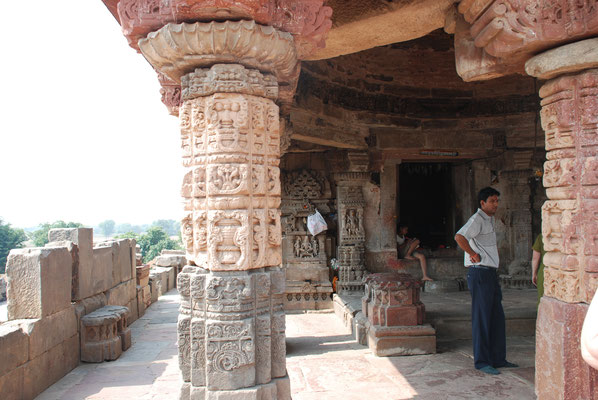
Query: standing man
x=478, y=239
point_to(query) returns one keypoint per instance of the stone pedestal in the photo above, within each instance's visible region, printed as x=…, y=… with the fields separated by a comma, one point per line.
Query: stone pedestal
x=396, y=315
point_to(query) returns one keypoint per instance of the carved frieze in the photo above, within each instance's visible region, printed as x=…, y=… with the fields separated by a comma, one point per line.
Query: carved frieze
x=228, y=78
x=303, y=184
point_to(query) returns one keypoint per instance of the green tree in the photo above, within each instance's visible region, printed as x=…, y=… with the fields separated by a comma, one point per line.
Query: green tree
x=127, y=235
x=170, y=226
x=154, y=241
x=10, y=238
x=40, y=236
x=107, y=227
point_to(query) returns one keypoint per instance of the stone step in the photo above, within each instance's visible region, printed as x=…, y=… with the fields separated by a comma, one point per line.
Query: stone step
x=439, y=268
x=450, y=313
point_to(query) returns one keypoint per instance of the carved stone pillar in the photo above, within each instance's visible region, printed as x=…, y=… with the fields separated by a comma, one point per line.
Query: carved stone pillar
x=351, y=233
x=569, y=219
x=223, y=79
x=231, y=325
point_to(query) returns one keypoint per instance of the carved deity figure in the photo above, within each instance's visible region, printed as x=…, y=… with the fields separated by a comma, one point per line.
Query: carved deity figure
x=297, y=246
x=351, y=222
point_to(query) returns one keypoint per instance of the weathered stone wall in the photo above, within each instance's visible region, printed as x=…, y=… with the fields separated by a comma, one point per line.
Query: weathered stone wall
x=50, y=289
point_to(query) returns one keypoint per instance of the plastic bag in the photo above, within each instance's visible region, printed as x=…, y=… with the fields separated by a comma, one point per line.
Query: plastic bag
x=316, y=223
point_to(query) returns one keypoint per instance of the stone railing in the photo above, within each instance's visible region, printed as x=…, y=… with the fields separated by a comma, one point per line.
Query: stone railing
x=59, y=292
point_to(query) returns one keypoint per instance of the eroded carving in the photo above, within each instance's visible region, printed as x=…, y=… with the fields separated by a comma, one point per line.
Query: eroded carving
x=569, y=221
x=505, y=28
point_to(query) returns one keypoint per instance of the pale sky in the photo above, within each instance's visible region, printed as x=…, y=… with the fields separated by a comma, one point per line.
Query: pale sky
x=84, y=136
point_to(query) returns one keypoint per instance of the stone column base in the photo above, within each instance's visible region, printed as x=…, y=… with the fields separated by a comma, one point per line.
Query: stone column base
x=561, y=372
x=387, y=341
x=277, y=389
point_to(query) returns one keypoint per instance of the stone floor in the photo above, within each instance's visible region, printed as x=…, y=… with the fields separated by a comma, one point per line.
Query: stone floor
x=323, y=362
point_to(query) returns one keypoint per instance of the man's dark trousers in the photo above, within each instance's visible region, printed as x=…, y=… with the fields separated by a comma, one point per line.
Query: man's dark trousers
x=487, y=318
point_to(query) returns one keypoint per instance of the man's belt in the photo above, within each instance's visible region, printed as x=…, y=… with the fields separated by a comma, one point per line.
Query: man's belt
x=482, y=267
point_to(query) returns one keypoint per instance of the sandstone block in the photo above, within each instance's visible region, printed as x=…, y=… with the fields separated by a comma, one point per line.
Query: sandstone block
x=121, y=294
x=561, y=373
x=134, y=314
x=83, y=267
x=14, y=343
x=141, y=306
x=278, y=389
x=11, y=384
x=168, y=277
x=155, y=284
x=402, y=341
x=39, y=282
x=101, y=277
x=133, y=255
x=51, y=331
x=146, y=295
x=121, y=259
x=171, y=260
x=142, y=275
x=49, y=367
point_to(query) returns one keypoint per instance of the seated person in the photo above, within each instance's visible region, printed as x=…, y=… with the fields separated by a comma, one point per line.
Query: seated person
x=408, y=250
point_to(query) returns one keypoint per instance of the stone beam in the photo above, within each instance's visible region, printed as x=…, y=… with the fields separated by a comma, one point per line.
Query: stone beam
x=331, y=139
x=392, y=23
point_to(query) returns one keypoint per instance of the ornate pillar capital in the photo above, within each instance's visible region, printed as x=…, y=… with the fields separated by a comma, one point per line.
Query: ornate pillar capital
x=496, y=37
x=307, y=20
x=505, y=28
x=178, y=49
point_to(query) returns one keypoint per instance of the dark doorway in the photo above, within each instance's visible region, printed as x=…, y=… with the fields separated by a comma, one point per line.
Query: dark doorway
x=425, y=197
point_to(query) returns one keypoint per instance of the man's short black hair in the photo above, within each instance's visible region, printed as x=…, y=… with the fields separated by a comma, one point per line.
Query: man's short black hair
x=485, y=193
x=402, y=225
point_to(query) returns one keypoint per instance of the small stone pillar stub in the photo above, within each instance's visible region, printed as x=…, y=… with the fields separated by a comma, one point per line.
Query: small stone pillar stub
x=396, y=316
x=231, y=324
